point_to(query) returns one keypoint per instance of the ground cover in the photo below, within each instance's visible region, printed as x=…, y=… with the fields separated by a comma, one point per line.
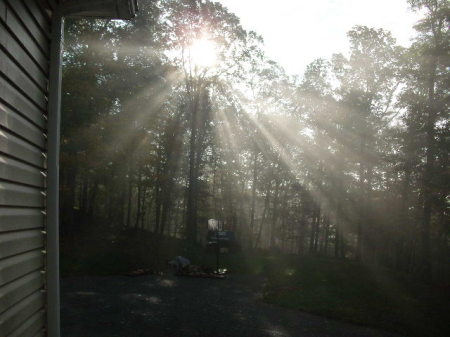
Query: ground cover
x=352, y=292
x=340, y=289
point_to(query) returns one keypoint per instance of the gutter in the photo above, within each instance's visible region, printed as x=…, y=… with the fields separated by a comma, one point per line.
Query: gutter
x=113, y=9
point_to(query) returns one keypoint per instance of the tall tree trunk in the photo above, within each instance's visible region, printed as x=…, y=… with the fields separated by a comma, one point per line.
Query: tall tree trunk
x=253, y=200
x=326, y=223
x=264, y=216
x=314, y=228
x=130, y=194
x=317, y=228
x=301, y=234
x=84, y=195
x=273, y=226
x=214, y=187
x=406, y=219
x=158, y=202
x=143, y=209
x=283, y=225
x=92, y=199
x=122, y=197
x=139, y=196
x=427, y=189
x=337, y=241
x=166, y=204
x=361, y=206
x=191, y=211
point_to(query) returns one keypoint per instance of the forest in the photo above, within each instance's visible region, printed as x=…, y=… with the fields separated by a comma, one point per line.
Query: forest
x=178, y=116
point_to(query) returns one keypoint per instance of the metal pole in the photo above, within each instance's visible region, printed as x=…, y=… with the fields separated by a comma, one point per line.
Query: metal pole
x=218, y=249
x=54, y=116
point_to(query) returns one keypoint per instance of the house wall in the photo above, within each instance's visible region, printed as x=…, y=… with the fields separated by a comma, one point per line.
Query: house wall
x=24, y=72
x=29, y=146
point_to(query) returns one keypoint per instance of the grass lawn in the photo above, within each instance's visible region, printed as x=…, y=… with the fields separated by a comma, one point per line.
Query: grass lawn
x=349, y=291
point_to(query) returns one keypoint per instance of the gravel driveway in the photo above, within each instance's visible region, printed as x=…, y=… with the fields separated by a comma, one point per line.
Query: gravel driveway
x=154, y=306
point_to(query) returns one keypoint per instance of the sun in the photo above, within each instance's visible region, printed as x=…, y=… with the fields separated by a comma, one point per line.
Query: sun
x=203, y=53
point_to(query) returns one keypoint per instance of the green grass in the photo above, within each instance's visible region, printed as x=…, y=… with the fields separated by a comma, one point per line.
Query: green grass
x=349, y=291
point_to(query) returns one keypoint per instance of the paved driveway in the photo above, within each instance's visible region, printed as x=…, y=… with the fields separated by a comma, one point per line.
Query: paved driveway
x=148, y=306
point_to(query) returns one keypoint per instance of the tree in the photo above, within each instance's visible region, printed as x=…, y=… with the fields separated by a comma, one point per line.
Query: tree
x=431, y=82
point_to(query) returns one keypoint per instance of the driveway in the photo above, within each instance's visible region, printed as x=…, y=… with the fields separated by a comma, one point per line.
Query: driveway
x=154, y=306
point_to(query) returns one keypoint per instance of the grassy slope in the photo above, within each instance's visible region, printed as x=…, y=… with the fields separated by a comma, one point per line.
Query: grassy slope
x=358, y=294
x=95, y=253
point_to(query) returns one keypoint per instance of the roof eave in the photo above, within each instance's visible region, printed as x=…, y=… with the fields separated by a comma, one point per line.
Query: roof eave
x=110, y=9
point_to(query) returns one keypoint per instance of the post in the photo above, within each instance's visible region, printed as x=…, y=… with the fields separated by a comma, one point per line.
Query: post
x=217, y=249
x=52, y=226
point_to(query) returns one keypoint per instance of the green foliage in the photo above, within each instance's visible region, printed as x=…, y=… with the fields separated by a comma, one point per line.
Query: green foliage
x=345, y=160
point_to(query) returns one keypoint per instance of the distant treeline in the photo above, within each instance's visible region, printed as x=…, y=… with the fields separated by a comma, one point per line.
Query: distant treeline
x=350, y=159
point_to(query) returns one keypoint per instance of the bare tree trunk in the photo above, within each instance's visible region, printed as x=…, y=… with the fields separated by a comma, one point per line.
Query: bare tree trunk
x=191, y=211
x=253, y=201
x=264, y=216
x=143, y=208
x=273, y=226
x=427, y=189
x=138, y=201
x=301, y=234
x=361, y=210
x=92, y=199
x=130, y=192
x=336, y=240
x=314, y=229
x=84, y=195
x=158, y=208
x=326, y=223
x=283, y=225
x=318, y=220
x=122, y=197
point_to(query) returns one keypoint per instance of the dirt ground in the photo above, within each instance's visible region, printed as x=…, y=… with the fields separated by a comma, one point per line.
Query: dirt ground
x=155, y=306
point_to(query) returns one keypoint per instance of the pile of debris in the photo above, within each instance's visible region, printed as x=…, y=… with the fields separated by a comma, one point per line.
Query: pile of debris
x=183, y=267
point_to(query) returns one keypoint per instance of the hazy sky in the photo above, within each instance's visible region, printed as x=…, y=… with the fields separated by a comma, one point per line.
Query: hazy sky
x=296, y=32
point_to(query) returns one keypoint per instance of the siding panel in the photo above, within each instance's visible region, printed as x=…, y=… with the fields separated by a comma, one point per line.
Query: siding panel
x=18, y=195
x=38, y=16
x=20, y=149
x=21, y=81
x=31, y=326
x=14, y=292
x=21, y=126
x=31, y=26
x=16, y=266
x=13, y=243
x=16, y=171
x=2, y=11
x=12, y=47
x=14, y=317
x=24, y=68
x=20, y=219
x=11, y=96
x=18, y=31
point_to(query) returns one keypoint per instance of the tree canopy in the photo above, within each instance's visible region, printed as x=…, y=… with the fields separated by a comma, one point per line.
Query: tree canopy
x=350, y=159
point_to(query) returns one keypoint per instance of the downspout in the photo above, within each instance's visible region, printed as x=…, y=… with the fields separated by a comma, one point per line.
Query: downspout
x=53, y=148
x=53, y=142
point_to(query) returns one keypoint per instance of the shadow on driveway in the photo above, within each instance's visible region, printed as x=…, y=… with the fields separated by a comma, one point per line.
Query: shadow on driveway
x=154, y=306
